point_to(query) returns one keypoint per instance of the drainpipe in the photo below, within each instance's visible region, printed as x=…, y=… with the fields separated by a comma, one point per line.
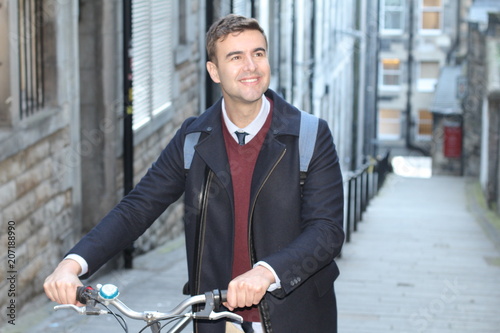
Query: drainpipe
x=128, y=133
x=374, y=127
x=293, y=56
x=313, y=58
x=409, y=121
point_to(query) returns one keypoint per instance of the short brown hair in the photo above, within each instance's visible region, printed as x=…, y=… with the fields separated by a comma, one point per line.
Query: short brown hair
x=229, y=24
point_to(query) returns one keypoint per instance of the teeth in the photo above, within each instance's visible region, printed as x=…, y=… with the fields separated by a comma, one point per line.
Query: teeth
x=249, y=80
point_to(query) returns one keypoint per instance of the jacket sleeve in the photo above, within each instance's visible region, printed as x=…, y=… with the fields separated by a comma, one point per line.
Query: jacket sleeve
x=162, y=185
x=311, y=254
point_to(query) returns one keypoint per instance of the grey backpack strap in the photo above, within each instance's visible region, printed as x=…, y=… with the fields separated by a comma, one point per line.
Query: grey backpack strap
x=190, y=141
x=307, y=139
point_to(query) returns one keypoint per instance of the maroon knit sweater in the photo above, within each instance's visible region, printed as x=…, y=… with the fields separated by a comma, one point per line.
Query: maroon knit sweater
x=242, y=161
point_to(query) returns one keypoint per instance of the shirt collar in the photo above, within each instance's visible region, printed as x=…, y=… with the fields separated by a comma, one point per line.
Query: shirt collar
x=254, y=127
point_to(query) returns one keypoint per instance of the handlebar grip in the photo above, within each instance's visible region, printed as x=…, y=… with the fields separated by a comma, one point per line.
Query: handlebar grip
x=219, y=297
x=84, y=293
x=223, y=296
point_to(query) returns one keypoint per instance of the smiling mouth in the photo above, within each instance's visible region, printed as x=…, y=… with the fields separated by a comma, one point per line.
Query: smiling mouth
x=249, y=80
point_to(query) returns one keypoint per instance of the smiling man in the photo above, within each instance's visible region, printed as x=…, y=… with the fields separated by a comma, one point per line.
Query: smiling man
x=250, y=226
x=241, y=66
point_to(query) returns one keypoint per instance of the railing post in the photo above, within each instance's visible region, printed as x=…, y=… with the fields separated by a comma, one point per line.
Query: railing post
x=348, y=217
x=355, y=202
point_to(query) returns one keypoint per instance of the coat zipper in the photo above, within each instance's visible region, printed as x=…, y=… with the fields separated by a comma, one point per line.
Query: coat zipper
x=262, y=309
x=201, y=234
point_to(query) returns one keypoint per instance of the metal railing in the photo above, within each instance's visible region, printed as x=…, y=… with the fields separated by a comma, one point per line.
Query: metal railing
x=360, y=187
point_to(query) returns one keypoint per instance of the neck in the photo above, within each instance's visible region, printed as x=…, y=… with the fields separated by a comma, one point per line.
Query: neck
x=243, y=114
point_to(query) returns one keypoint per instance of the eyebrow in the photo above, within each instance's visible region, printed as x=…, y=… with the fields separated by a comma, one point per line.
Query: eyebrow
x=230, y=54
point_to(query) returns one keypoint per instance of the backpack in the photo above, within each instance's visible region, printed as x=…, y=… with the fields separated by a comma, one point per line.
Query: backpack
x=307, y=140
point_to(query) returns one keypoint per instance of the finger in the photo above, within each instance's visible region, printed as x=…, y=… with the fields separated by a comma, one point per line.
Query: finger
x=230, y=308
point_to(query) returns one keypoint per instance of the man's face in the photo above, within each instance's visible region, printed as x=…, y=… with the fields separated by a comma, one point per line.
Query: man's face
x=242, y=68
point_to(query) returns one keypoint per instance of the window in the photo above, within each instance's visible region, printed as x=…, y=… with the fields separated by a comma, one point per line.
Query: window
x=424, y=125
x=183, y=21
x=22, y=42
x=152, y=63
x=390, y=74
x=184, y=30
x=389, y=124
x=431, y=17
x=30, y=44
x=428, y=76
x=391, y=17
x=241, y=7
x=5, y=90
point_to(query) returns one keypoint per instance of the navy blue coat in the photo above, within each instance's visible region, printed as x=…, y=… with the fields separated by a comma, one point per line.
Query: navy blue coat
x=297, y=232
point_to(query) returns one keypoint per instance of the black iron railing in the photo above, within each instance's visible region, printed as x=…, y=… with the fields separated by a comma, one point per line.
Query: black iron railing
x=361, y=186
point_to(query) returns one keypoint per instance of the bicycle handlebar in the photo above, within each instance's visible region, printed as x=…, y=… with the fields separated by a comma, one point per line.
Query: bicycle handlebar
x=108, y=294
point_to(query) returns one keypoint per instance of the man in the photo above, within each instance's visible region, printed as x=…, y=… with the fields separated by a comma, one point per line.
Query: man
x=250, y=226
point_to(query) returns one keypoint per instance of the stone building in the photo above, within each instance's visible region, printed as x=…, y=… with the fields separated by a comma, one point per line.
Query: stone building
x=64, y=103
x=481, y=105
x=446, y=150
x=416, y=38
x=61, y=111
x=40, y=170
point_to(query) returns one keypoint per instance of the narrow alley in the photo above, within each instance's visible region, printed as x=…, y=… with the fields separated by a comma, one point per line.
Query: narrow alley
x=420, y=261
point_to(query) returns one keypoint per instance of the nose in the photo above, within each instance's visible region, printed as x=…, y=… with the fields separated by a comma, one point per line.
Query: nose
x=250, y=64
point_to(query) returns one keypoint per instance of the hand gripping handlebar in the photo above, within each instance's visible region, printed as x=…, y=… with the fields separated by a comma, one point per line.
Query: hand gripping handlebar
x=108, y=294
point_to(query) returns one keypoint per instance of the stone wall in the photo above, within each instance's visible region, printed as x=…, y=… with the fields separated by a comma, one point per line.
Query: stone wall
x=41, y=187
x=36, y=194
x=472, y=104
x=40, y=163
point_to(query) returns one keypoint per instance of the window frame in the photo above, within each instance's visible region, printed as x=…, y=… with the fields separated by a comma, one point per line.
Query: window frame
x=430, y=9
x=156, y=115
x=60, y=107
x=383, y=72
x=183, y=29
x=427, y=84
x=383, y=120
x=383, y=10
x=422, y=121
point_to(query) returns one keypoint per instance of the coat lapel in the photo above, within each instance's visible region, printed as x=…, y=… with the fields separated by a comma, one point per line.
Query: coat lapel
x=211, y=148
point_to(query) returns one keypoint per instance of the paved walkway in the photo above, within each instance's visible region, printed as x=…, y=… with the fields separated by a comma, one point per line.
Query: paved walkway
x=419, y=262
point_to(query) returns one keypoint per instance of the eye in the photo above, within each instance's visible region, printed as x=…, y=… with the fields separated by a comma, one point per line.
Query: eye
x=260, y=54
x=236, y=57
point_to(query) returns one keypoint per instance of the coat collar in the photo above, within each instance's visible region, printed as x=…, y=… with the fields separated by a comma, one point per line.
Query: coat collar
x=286, y=118
x=211, y=147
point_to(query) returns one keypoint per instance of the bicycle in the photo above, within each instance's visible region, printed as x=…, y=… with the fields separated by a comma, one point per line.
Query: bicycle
x=95, y=300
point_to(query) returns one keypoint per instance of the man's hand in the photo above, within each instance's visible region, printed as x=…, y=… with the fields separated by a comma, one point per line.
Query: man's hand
x=249, y=288
x=60, y=286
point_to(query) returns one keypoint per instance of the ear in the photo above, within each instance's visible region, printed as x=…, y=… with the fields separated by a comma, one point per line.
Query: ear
x=213, y=71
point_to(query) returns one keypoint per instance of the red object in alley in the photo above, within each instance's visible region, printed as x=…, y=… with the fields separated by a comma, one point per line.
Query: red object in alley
x=452, y=141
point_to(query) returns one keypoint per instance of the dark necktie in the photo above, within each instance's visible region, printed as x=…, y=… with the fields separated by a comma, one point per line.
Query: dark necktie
x=241, y=137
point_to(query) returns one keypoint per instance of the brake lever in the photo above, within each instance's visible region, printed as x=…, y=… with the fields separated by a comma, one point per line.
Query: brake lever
x=208, y=311
x=225, y=314
x=82, y=310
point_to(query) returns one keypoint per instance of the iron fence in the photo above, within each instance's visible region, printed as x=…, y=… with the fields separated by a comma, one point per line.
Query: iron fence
x=361, y=186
